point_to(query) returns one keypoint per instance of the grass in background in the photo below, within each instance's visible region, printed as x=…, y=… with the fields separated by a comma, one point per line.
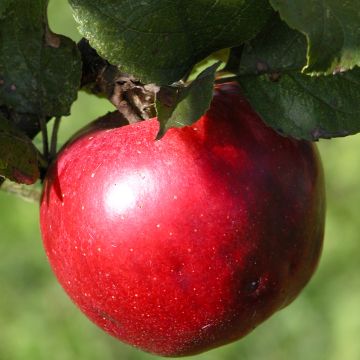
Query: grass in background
x=39, y=322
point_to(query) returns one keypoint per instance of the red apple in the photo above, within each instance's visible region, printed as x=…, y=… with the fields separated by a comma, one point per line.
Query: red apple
x=183, y=244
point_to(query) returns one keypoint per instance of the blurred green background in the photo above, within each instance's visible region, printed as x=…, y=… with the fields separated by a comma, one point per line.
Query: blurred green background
x=38, y=321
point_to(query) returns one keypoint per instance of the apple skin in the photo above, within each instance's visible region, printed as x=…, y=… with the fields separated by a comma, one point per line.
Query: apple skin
x=187, y=243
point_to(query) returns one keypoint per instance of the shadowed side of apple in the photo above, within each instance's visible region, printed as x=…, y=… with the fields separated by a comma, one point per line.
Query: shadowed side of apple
x=183, y=244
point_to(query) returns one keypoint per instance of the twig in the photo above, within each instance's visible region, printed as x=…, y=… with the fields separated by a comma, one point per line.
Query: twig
x=44, y=137
x=54, y=136
x=25, y=192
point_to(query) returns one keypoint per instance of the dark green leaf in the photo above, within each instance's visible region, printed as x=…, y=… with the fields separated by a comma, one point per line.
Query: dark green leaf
x=160, y=40
x=181, y=106
x=307, y=107
x=39, y=71
x=3, y=6
x=292, y=103
x=275, y=50
x=332, y=29
x=27, y=123
x=18, y=155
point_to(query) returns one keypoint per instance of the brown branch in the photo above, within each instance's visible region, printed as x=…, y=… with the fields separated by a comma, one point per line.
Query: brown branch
x=134, y=100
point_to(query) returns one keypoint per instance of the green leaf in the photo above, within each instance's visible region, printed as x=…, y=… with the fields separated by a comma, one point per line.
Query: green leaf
x=332, y=29
x=293, y=103
x=181, y=106
x=29, y=124
x=3, y=6
x=18, y=155
x=276, y=49
x=39, y=71
x=160, y=40
x=307, y=107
